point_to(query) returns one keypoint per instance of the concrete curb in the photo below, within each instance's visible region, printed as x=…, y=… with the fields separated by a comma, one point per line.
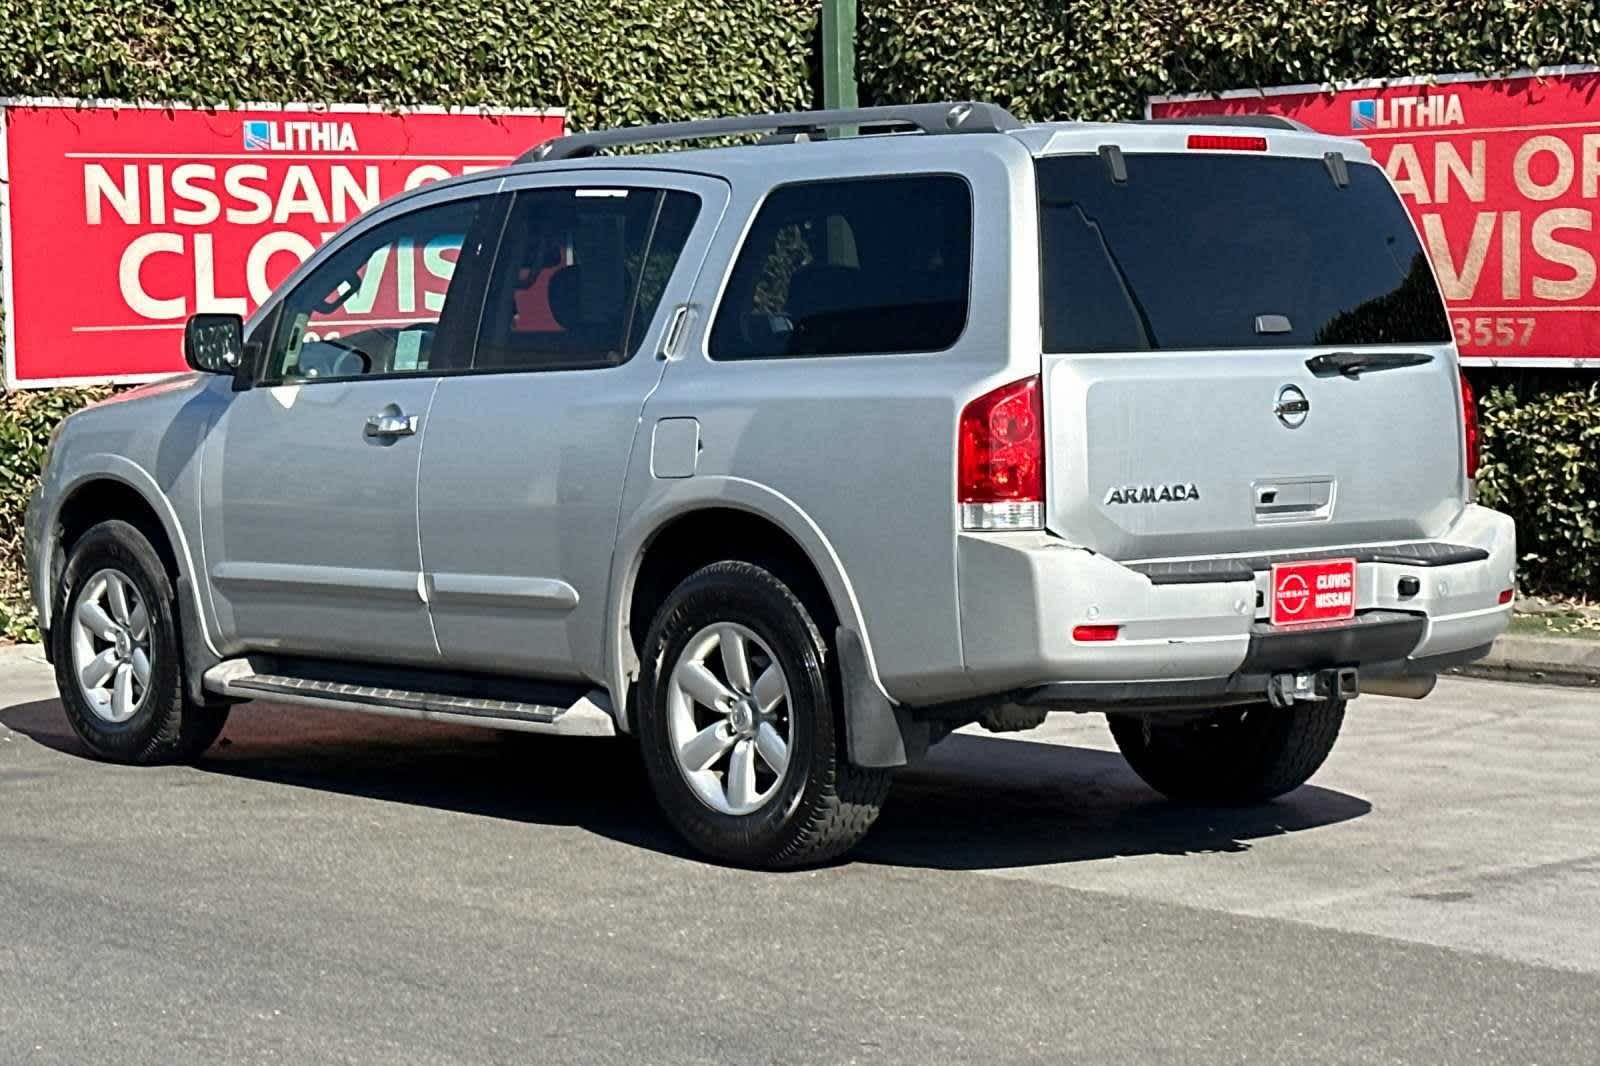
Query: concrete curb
x=1546, y=660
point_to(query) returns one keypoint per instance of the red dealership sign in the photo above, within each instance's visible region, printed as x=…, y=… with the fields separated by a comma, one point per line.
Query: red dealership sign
x=118, y=221
x=1503, y=178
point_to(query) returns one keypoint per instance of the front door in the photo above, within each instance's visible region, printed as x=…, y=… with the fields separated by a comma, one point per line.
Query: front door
x=523, y=470
x=310, y=528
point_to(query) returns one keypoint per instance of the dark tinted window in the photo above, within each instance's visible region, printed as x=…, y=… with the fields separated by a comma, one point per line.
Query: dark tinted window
x=579, y=275
x=847, y=267
x=1193, y=248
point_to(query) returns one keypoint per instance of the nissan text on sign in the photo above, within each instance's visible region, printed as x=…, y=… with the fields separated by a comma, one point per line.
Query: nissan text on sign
x=1503, y=178
x=119, y=221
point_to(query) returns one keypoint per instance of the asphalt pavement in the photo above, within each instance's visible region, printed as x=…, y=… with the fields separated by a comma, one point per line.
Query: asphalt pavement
x=339, y=888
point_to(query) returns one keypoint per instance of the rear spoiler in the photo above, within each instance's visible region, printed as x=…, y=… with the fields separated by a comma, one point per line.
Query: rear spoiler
x=1265, y=122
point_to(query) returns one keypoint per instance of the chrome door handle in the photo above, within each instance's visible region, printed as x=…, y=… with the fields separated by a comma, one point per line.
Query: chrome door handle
x=391, y=425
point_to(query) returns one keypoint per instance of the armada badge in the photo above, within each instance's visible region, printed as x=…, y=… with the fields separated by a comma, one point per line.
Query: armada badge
x=1179, y=493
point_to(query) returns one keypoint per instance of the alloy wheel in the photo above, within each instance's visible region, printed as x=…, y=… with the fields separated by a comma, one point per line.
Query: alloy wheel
x=111, y=646
x=728, y=718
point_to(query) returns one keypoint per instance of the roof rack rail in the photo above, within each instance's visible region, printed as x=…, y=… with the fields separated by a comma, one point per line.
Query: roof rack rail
x=955, y=117
x=1266, y=122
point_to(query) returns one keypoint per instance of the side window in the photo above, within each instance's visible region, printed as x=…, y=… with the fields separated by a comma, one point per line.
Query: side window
x=375, y=306
x=851, y=267
x=579, y=275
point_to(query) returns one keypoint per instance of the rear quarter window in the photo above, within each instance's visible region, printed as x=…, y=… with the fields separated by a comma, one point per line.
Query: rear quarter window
x=851, y=267
x=1207, y=251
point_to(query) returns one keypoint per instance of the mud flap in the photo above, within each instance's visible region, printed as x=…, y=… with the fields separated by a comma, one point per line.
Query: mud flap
x=878, y=733
x=196, y=659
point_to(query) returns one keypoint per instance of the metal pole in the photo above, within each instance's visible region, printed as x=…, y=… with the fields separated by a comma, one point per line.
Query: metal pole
x=838, y=53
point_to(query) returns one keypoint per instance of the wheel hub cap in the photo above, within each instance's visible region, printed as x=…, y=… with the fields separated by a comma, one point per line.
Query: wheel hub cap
x=110, y=633
x=728, y=718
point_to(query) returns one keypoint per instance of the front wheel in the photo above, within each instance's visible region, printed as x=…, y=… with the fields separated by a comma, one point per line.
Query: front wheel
x=738, y=726
x=117, y=657
x=1237, y=755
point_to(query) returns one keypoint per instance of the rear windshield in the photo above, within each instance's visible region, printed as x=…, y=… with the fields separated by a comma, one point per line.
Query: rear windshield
x=1228, y=251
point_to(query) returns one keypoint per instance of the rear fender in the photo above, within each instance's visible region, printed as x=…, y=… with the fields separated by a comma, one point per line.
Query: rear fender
x=872, y=727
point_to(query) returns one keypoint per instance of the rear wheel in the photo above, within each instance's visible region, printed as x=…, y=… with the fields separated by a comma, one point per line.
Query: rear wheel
x=1231, y=756
x=738, y=726
x=117, y=656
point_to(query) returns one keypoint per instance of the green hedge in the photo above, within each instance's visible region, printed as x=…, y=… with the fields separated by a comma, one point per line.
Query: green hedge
x=608, y=62
x=1542, y=464
x=1096, y=59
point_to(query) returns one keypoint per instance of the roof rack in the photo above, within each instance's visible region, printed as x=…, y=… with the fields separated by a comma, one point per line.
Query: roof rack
x=1266, y=122
x=955, y=117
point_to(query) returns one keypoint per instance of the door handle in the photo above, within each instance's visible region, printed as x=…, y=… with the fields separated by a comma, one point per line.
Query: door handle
x=390, y=424
x=677, y=329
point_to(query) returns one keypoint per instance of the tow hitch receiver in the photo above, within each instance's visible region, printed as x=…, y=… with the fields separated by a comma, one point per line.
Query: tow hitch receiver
x=1317, y=685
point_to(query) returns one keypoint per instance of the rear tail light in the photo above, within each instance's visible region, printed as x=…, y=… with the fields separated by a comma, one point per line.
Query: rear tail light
x=1000, y=459
x=1217, y=142
x=1469, y=424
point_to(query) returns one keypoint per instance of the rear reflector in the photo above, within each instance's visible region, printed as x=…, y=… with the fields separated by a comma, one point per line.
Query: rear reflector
x=1506, y=596
x=1217, y=142
x=1000, y=459
x=1095, y=633
x=1469, y=424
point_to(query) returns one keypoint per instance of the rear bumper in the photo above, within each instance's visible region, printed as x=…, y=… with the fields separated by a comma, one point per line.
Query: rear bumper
x=1023, y=593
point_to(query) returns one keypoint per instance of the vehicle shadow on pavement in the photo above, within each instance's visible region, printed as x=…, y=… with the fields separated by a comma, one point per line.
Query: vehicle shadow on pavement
x=982, y=802
x=977, y=803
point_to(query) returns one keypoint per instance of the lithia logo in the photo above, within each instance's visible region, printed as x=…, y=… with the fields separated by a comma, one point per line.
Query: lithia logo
x=1406, y=112
x=267, y=136
x=1179, y=493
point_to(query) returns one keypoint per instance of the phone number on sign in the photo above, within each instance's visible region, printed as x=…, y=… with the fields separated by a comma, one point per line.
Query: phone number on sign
x=1489, y=331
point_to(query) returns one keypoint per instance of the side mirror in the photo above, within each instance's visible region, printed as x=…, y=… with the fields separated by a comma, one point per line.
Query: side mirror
x=214, y=343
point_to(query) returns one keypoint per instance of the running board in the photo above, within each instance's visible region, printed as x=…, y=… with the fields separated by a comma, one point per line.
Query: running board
x=556, y=709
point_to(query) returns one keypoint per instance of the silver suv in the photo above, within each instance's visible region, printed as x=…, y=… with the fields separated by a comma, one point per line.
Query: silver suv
x=789, y=458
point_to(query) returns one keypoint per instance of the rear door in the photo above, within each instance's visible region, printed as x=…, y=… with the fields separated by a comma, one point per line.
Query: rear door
x=522, y=472
x=1243, y=353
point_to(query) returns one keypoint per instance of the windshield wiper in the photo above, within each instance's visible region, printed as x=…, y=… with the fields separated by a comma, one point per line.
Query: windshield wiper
x=1354, y=364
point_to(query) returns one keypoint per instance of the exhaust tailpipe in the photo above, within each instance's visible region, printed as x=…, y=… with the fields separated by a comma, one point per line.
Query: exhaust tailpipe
x=1405, y=686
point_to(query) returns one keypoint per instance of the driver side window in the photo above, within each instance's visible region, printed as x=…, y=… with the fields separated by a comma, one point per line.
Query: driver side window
x=376, y=305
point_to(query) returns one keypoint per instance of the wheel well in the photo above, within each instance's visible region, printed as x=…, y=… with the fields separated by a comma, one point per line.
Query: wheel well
x=104, y=499
x=702, y=537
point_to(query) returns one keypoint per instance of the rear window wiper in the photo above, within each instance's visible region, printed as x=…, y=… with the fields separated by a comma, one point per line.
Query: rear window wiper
x=1354, y=364
x=1147, y=332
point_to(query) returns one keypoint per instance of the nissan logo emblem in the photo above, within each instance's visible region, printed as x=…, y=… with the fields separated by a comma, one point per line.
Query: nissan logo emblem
x=1292, y=407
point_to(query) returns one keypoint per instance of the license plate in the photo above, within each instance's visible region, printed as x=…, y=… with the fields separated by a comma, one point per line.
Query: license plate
x=1322, y=591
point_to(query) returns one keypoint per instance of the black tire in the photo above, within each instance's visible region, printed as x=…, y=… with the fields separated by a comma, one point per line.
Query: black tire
x=823, y=805
x=1234, y=756
x=166, y=727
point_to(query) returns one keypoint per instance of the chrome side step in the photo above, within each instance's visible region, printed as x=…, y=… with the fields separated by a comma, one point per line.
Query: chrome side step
x=588, y=716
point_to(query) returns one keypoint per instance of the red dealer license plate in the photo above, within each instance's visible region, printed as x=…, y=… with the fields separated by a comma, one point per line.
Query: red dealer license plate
x=1323, y=591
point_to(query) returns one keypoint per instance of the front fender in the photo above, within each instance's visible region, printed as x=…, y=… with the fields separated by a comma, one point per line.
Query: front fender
x=105, y=466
